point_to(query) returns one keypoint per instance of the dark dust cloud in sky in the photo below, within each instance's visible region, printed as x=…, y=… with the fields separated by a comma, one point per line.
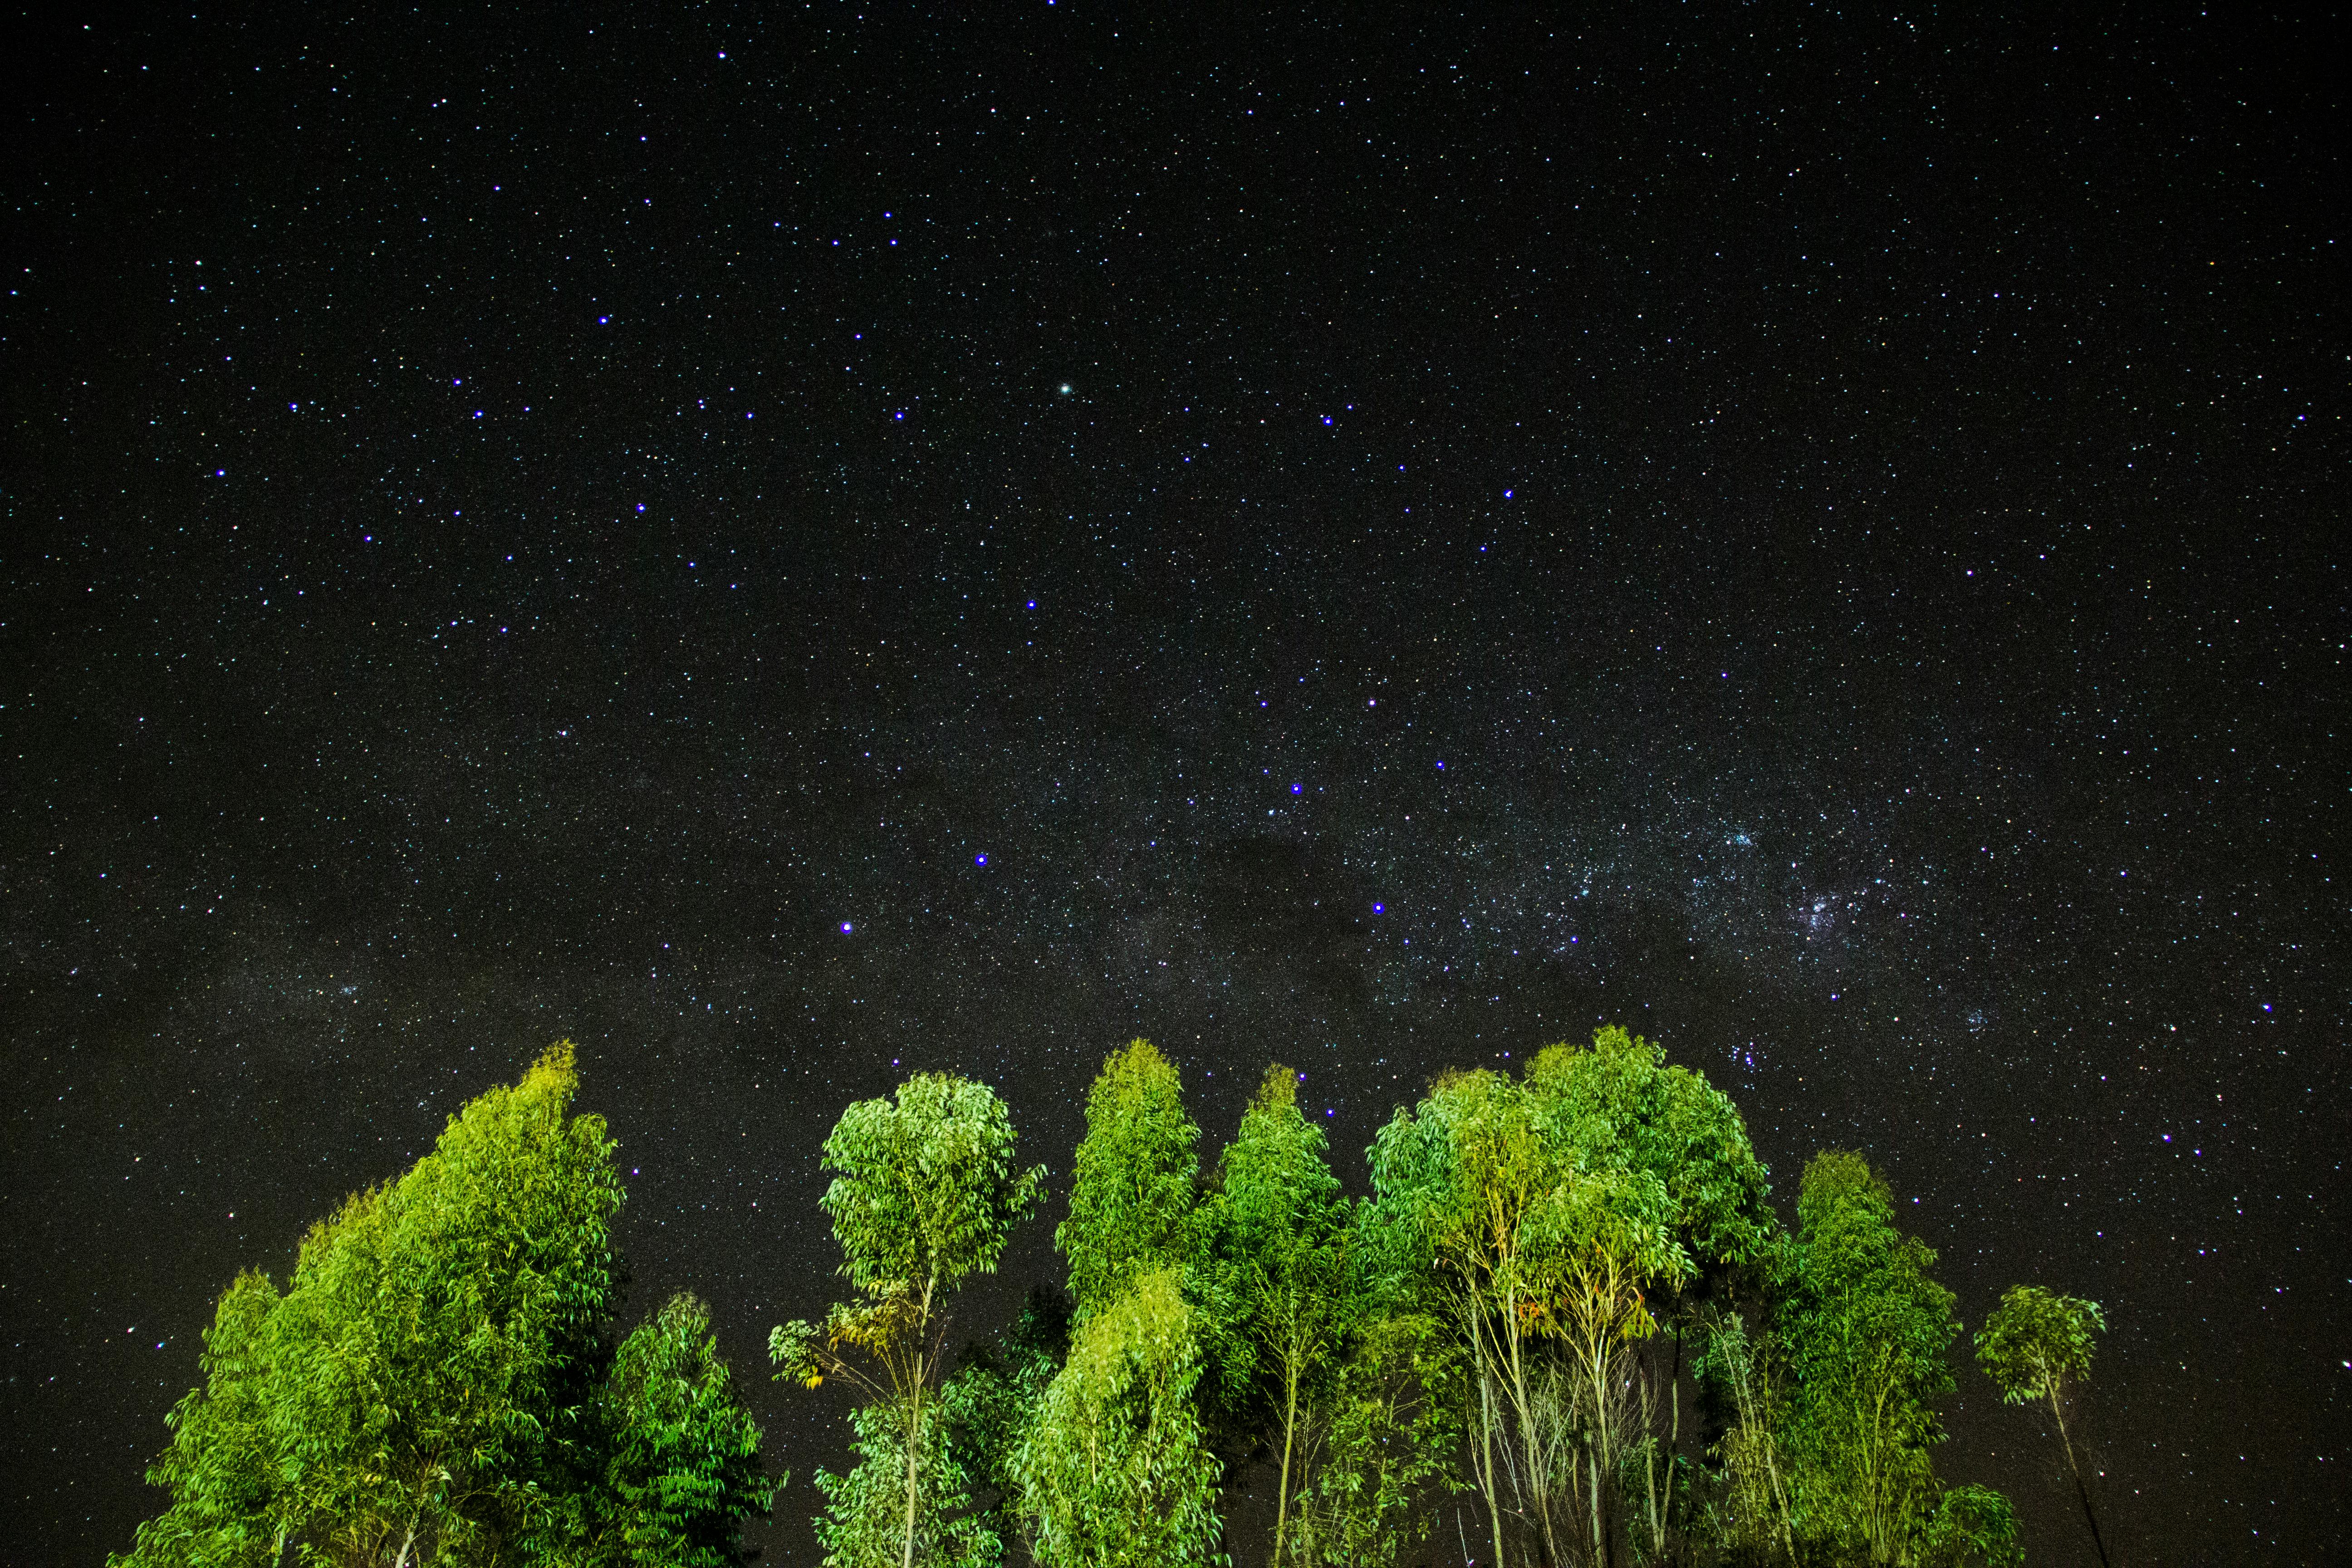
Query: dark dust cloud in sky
x=791, y=546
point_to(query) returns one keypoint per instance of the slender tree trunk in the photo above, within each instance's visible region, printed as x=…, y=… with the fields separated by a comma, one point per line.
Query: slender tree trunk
x=914, y=1437
x=915, y=1414
x=1289, y=1426
x=1531, y=1443
x=2074, y=1467
x=1487, y=1422
x=1674, y=1432
x=401, y=1560
x=1592, y=1466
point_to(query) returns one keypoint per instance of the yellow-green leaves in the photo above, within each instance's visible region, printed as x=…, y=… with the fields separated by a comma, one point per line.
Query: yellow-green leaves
x=1133, y=1185
x=927, y=1192
x=2036, y=1340
x=426, y=1386
x=1114, y=1473
x=2034, y=1345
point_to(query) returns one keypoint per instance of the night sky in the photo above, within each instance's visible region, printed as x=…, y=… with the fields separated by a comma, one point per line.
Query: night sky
x=791, y=546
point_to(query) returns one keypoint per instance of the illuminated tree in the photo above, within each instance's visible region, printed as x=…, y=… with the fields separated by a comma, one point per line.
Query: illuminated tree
x=2035, y=1344
x=1282, y=1232
x=432, y=1385
x=926, y=1195
x=1868, y=1332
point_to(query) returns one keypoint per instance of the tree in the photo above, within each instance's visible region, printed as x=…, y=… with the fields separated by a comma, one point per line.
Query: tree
x=1282, y=1235
x=926, y=1195
x=1390, y=1433
x=1115, y=1468
x=683, y=1467
x=990, y=1406
x=1458, y=1183
x=1615, y=1110
x=1135, y=1180
x=1114, y=1471
x=431, y=1384
x=1604, y=1238
x=1868, y=1330
x=2034, y=1346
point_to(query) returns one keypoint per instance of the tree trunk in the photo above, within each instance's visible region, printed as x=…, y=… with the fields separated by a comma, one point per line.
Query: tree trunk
x=1674, y=1433
x=1486, y=1464
x=2081, y=1492
x=1289, y=1426
x=914, y=1437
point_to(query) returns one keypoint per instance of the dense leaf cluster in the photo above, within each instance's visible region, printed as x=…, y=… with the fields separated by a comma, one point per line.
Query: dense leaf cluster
x=435, y=1383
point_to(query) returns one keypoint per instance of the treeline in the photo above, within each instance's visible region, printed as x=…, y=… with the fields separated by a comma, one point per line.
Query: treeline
x=1566, y=1327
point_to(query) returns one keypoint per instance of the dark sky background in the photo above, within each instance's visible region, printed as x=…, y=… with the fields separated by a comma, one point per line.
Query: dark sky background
x=794, y=545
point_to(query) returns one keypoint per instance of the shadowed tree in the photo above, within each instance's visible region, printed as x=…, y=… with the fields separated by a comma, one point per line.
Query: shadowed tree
x=2034, y=1346
x=992, y=1405
x=683, y=1466
x=1390, y=1433
x=926, y=1195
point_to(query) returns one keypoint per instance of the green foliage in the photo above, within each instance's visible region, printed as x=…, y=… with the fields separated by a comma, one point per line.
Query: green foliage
x=927, y=1192
x=1393, y=1427
x=684, y=1455
x=2034, y=1345
x=1115, y=1473
x=218, y=1469
x=1748, y=1515
x=1868, y=1332
x=427, y=1388
x=1617, y=1106
x=1134, y=1181
x=1970, y=1525
x=927, y=1195
x=2036, y=1340
x=864, y=1522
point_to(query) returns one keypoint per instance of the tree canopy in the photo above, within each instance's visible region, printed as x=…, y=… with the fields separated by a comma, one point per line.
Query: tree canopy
x=434, y=1384
x=1565, y=1326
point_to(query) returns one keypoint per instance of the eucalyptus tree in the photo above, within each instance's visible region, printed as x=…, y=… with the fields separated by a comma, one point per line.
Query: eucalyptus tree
x=1135, y=1180
x=431, y=1385
x=1607, y=1239
x=1116, y=1471
x=1282, y=1231
x=1868, y=1330
x=1117, y=1467
x=681, y=1468
x=1456, y=1182
x=1688, y=1186
x=2035, y=1346
x=926, y=1194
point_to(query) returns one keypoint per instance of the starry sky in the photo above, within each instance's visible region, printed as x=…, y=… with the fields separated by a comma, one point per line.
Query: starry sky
x=794, y=545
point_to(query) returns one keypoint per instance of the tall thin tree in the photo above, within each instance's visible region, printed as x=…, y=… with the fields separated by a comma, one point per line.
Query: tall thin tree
x=2035, y=1346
